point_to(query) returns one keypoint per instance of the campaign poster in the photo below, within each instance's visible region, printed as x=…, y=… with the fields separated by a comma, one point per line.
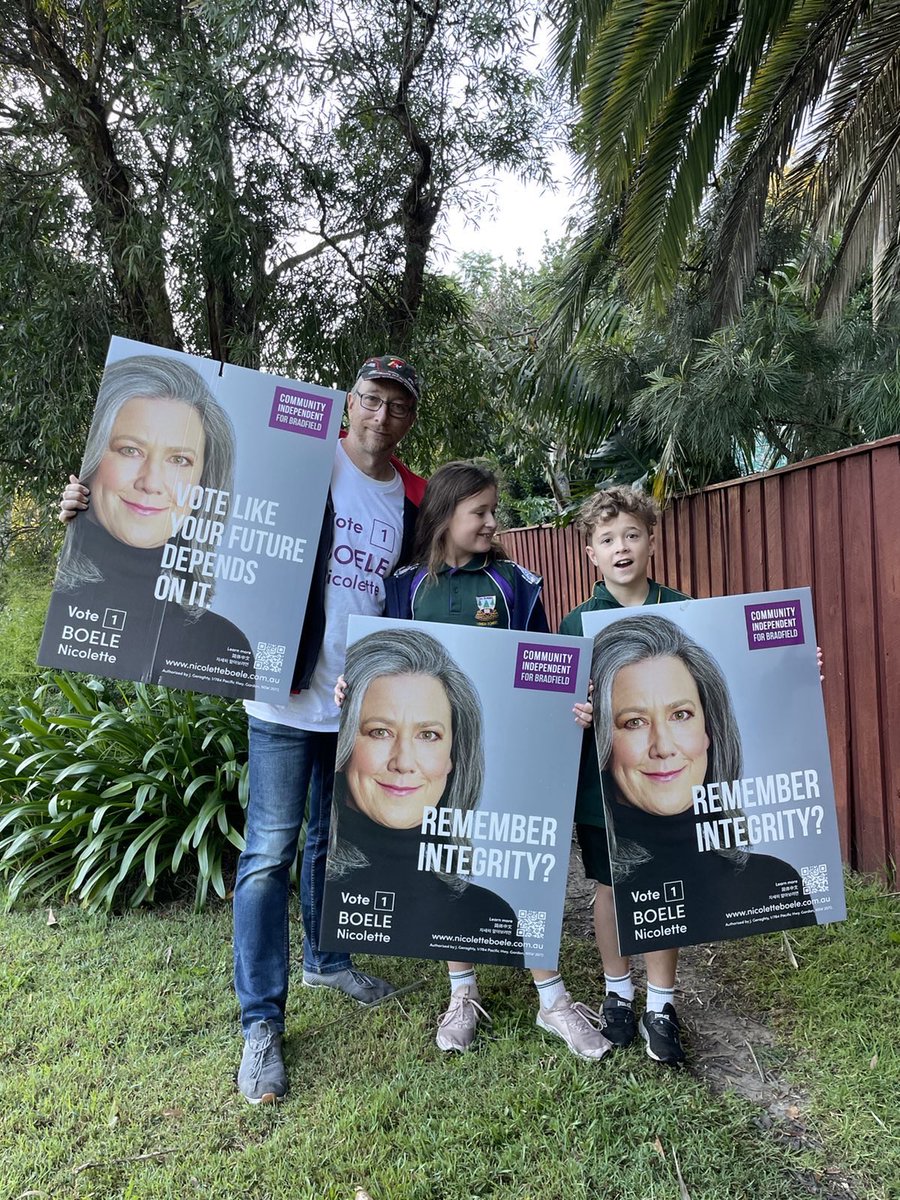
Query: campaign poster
x=192, y=565
x=451, y=823
x=713, y=753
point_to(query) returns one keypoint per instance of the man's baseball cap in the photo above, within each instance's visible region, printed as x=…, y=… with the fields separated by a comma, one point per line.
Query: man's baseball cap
x=388, y=366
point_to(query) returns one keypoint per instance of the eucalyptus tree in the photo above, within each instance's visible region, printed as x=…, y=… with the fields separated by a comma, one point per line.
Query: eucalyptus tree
x=261, y=182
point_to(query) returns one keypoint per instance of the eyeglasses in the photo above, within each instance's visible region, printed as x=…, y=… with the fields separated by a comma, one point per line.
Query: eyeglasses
x=373, y=403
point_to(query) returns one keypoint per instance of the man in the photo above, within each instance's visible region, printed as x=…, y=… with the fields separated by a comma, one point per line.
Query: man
x=366, y=532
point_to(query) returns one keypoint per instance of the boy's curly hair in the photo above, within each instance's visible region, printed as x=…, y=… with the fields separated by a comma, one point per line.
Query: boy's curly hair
x=607, y=504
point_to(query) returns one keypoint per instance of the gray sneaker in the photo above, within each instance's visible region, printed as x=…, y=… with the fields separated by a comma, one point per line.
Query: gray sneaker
x=261, y=1075
x=364, y=989
x=456, y=1028
x=577, y=1025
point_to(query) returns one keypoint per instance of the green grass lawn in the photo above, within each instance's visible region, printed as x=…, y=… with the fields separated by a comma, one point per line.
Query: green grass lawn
x=119, y=1042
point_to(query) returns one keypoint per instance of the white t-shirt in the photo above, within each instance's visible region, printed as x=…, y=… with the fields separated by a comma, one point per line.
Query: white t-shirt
x=368, y=532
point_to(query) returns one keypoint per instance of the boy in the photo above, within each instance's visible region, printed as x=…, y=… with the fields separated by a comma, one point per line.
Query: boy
x=619, y=525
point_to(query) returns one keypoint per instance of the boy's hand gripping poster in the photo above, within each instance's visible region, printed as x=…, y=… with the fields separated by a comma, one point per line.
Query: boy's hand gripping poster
x=713, y=753
x=192, y=564
x=451, y=823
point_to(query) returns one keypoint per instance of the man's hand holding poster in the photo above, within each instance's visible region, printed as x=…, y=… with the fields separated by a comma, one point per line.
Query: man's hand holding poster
x=716, y=775
x=192, y=564
x=456, y=767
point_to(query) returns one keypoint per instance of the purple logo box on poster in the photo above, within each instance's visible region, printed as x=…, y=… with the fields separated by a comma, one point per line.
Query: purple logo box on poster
x=776, y=624
x=300, y=412
x=546, y=668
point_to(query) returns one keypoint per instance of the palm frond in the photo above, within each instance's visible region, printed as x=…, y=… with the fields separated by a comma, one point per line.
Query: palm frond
x=872, y=221
x=792, y=75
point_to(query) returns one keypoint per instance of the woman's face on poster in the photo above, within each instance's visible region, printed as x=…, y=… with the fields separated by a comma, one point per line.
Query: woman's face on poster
x=402, y=753
x=659, y=743
x=156, y=451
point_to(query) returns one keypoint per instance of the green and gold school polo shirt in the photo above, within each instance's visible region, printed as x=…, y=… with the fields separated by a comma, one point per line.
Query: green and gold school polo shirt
x=473, y=594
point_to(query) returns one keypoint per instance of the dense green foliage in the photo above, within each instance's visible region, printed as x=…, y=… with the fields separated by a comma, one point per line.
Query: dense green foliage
x=257, y=182
x=24, y=593
x=678, y=402
x=107, y=790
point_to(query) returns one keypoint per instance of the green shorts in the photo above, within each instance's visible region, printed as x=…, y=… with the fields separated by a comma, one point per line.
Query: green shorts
x=594, y=853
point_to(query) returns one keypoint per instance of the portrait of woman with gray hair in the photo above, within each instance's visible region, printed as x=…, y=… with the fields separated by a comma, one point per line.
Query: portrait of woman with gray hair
x=664, y=724
x=157, y=435
x=410, y=743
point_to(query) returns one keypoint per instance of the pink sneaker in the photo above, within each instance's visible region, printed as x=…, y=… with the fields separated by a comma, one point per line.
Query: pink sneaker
x=577, y=1025
x=456, y=1028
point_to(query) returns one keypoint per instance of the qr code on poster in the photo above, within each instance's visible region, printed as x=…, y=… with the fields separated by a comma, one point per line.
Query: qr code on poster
x=815, y=879
x=531, y=923
x=269, y=657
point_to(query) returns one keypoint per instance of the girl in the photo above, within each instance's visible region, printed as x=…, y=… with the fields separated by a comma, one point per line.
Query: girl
x=460, y=576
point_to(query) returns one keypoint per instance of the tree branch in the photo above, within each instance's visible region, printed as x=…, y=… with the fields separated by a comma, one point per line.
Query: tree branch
x=330, y=243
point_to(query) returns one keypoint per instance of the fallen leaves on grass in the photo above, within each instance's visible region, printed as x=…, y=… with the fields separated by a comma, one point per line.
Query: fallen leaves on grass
x=682, y=1189
x=118, y=1162
x=755, y=1061
x=683, y=1193
x=51, y=919
x=789, y=950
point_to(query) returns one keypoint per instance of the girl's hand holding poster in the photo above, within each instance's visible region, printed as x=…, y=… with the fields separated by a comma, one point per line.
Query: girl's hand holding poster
x=451, y=823
x=192, y=564
x=716, y=775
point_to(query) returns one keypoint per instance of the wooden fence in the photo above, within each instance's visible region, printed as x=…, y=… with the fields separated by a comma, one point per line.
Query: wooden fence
x=832, y=524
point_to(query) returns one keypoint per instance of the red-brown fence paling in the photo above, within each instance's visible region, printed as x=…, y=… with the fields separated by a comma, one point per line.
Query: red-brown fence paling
x=832, y=524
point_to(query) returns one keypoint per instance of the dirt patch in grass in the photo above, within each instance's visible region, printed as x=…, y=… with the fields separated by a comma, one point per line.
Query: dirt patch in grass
x=729, y=1049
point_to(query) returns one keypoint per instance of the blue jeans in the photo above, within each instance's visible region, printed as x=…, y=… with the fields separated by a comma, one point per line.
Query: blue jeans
x=285, y=764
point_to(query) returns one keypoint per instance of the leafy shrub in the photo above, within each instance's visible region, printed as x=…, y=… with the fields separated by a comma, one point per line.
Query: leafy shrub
x=24, y=595
x=105, y=790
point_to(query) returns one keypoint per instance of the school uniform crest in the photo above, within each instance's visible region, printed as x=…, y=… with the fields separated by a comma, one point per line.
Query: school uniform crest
x=486, y=613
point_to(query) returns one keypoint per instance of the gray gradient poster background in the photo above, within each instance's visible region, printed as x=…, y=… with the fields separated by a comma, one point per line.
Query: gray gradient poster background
x=757, y=850
x=215, y=601
x=495, y=894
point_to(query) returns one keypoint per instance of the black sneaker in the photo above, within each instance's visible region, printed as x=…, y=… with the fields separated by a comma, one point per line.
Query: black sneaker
x=662, y=1034
x=619, y=1026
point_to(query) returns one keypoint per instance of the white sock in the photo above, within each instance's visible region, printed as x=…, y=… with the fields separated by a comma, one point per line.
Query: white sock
x=461, y=979
x=550, y=990
x=658, y=997
x=622, y=985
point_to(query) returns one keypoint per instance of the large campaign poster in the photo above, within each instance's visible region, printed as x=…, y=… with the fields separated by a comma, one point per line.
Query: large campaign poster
x=457, y=763
x=192, y=565
x=711, y=740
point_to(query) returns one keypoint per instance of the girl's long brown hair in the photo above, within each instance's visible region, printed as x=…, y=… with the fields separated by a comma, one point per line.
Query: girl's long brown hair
x=448, y=486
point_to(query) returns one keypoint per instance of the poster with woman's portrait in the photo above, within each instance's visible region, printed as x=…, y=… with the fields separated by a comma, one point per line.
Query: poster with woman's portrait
x=713, y=753
x=455, y=779
x=193, y=561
